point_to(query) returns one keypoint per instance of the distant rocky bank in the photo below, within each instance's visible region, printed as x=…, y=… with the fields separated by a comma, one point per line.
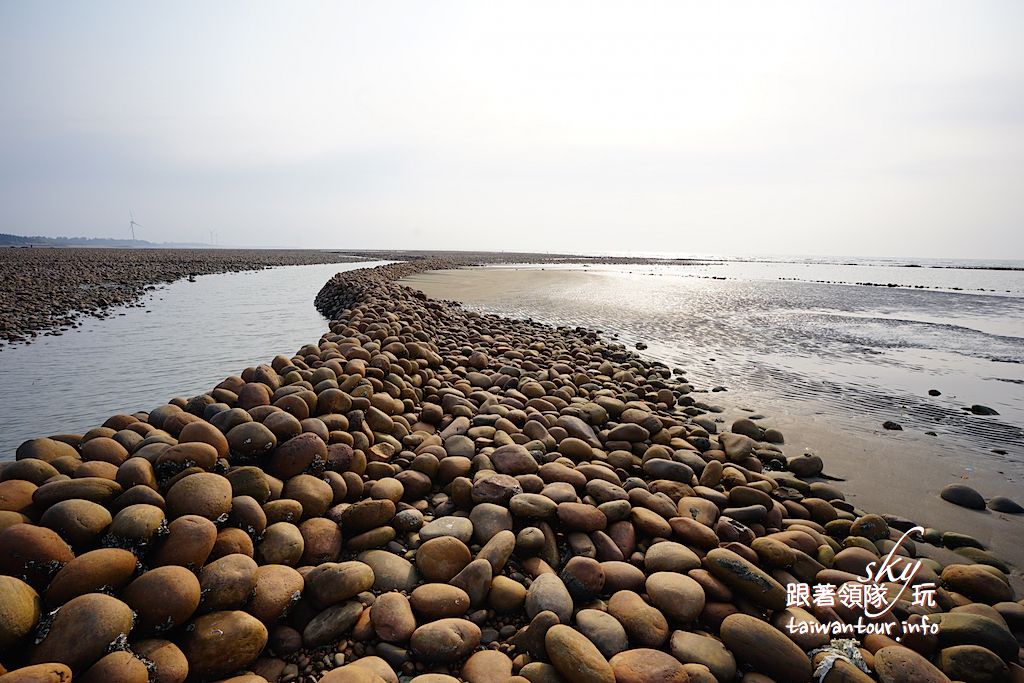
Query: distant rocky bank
x=46, y=290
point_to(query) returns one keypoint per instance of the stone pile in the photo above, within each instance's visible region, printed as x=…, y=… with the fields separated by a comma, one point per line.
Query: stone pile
x=430, y=494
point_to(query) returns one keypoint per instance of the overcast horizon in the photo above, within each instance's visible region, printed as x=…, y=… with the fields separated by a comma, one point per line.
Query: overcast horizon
x=816, y=128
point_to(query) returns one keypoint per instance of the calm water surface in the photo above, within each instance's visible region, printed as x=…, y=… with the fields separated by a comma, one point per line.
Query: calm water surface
x=186, y=339
x=785, y=334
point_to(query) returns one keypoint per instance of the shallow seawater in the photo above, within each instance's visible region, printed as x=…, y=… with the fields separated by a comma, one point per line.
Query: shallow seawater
x=768, y=334
x=186, y=339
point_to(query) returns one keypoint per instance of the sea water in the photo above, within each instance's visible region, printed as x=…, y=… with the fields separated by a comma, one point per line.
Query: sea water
x=185, y=339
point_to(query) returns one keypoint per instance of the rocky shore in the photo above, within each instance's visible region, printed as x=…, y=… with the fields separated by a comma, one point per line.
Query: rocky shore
x=46, y=290
x=431, y=494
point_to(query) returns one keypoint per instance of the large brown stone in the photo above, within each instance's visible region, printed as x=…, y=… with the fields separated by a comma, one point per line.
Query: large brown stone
x=332, y=583
x=645, y=665
x=746, y=578
x=19, y=611
x=204, y=494
x=163, y=598
x=440, y=559
x=765, y=648
x=83, y=630
x=32, y=553
x=221, y=643
x=575, y=657
x=645, y=625
x=445, y=640
x=898, y=664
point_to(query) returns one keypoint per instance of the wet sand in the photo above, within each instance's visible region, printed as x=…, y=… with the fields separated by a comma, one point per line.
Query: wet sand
x=902, y=474
x=898, y=473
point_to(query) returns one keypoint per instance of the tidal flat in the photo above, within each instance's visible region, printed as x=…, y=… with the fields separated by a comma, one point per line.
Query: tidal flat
x=431, y=493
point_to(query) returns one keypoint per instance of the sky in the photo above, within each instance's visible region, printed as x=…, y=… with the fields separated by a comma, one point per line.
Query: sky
x=824, y=128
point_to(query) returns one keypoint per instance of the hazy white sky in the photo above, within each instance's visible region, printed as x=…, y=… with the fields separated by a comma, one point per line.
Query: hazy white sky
x=866, y=128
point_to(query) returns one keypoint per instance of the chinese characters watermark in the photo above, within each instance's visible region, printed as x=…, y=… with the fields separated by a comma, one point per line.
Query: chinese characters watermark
x=868, y=594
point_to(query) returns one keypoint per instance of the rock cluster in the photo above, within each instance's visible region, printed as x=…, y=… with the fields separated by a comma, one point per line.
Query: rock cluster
x=964, y=496
x=430, y=494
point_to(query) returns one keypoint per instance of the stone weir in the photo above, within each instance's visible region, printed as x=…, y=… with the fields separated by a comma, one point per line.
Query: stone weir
x=431, y=494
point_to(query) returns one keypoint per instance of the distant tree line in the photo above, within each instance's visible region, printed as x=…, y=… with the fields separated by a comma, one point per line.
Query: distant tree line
x=39, y=240
x=8, y=240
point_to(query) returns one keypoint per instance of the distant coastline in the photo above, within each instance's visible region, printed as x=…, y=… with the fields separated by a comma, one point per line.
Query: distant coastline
x=9, y=240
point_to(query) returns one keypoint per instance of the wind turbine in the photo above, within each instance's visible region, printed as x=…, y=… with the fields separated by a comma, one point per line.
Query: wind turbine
x=132, y=223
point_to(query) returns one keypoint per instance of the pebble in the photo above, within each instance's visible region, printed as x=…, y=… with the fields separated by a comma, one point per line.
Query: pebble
x=445, y=640
x=532, y=506
x=390, y=572
x=977, y=582
x=486, y=666
x=19, y=610
x=488, y=519
x=220, y=643
x=498, y=550
x=581, y=517
x=392, y=617
x=603, y=630
x=506, y=595
x=440, y=559
x=679, y=597
x=583, y=577
x=764, y=647
x=979, y=409
x=645, y=665
x=458, y=527
x=331, y=623
x=163, y=598
x=548, y=593
x=475, y=580
x=575, y=657
x=746, y=578
x=90, y=572
x=531, y=640
x=644, y=625
x=963, y=495
x=973, y=663
x=440, y=600
x=897, y=664
x=1004, y=504
x=701, y=648
x=963, y=628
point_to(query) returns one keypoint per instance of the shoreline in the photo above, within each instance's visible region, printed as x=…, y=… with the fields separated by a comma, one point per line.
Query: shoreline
x=907, y=462
x=48, y=290
x=432, y=490
x=56, y=293
x=181, y=342
x=57, y=287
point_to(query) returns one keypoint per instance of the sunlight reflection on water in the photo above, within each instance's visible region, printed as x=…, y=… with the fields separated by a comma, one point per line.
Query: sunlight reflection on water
x=842, y=348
